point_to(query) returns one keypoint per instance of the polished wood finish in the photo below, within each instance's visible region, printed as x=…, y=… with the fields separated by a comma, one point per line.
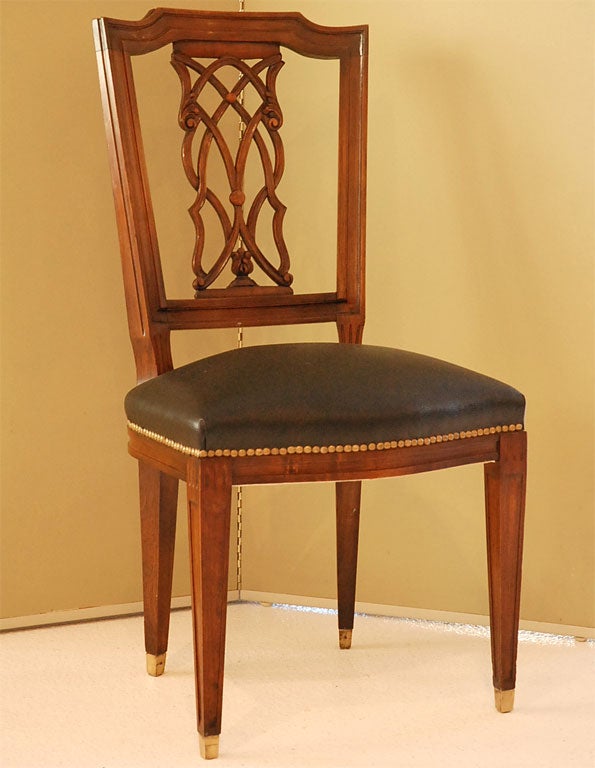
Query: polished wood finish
x=158, y=511
x=152, y=316
x=240, y=239
x=348, y=498
x=312, y=467
x=209, y=516
x=505, y=482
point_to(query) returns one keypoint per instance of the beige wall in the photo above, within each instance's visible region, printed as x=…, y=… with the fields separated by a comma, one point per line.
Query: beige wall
x=480, y=250
x=69, y=495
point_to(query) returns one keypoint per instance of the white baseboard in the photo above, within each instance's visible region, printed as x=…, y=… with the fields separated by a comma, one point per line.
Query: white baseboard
x=251, y=596
x=91, y=614
x=403, y=612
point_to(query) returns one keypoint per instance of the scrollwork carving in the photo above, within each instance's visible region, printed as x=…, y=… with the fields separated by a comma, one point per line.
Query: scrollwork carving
x=272, y=112
x=236, y=225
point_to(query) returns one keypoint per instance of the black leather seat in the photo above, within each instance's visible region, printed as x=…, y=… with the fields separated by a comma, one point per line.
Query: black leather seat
x=317, y=397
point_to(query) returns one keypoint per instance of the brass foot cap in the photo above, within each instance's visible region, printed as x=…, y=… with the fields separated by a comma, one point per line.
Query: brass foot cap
x=209, y=746
x=155, y=664
x=345, y=638
x=504, y=700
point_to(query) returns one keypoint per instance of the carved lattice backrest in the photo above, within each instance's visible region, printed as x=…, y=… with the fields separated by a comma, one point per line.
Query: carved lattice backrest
x=205, y=47
x=203, y=135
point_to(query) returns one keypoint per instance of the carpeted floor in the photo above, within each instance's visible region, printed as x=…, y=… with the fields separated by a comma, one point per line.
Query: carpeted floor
x=409, y=694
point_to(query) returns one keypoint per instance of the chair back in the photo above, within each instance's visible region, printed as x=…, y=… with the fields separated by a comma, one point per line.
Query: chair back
x=244, y=283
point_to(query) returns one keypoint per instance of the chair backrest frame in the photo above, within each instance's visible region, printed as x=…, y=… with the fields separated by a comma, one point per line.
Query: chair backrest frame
x=151, y=315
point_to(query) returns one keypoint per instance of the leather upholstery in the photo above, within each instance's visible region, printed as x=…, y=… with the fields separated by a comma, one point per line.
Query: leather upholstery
x=318, y=394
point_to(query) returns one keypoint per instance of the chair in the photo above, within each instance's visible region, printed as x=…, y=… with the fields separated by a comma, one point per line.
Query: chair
x=354, y=411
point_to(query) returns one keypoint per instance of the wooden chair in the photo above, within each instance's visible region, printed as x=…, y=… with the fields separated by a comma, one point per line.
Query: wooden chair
x=278, y=413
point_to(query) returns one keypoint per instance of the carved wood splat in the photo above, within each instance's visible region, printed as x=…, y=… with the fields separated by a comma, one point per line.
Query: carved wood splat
x=240, y=248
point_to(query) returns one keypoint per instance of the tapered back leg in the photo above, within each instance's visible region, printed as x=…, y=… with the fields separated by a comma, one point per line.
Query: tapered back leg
x=158, y=508
x=505, y=482
x=348, y=498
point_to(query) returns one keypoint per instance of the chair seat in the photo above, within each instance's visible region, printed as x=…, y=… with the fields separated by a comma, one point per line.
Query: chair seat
x=319, y=396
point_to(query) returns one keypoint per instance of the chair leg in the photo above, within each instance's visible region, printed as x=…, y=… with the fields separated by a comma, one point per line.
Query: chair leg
x=158, y=507
x=348, y=497
x=505, y=482
x=209, y=514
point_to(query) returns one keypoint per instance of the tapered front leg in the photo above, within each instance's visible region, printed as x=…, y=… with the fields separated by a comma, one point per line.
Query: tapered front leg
x=158, y=508
x=505, y=482
x=209, y=514
x=348, y=497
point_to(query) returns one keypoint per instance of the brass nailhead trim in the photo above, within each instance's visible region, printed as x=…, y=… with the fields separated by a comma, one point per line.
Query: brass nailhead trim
x=293, y=449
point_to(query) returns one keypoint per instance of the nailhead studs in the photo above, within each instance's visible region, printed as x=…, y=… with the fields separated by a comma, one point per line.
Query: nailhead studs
x=300, y=449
